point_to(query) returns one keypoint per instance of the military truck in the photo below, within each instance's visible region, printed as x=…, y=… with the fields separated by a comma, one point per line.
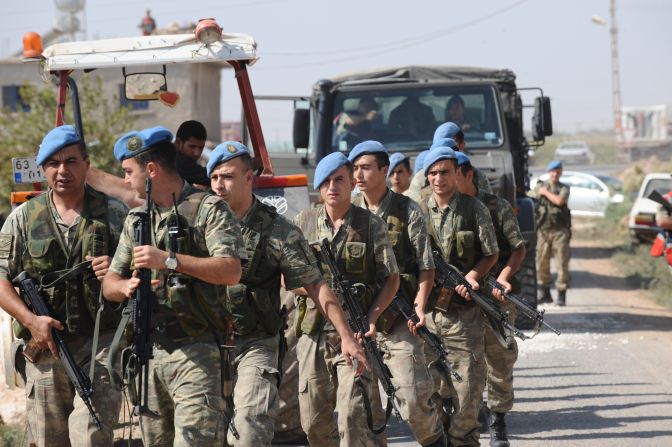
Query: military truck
x=402, y=106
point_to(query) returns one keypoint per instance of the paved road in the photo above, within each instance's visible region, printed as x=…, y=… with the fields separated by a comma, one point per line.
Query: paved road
x=610, y=169
x=606, y=381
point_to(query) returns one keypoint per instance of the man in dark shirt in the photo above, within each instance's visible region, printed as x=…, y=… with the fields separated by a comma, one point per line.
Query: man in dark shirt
x=190, y=141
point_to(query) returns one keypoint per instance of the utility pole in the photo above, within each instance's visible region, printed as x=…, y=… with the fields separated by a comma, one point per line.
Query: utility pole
x=615, y=73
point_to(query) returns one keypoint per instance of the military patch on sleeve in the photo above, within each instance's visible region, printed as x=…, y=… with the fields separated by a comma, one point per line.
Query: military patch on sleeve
x=6, y=245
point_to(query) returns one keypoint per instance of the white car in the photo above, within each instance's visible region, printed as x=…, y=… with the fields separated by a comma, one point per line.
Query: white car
x=588, y=195
x=642, y=219
x=575, y=152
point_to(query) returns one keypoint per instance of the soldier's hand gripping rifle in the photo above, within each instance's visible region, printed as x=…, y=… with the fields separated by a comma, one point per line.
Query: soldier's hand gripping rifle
x=452, y=276
x=33, y=296
x=359, y=322
x=430, y=338
x=142, y=305
x=523, y=306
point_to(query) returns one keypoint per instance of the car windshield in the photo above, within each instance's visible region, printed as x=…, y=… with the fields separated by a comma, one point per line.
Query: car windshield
x=404, y=117
x=663, y=186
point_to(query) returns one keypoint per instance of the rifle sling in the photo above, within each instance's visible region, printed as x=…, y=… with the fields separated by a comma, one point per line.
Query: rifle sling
x=52, y=279
x=367, y=408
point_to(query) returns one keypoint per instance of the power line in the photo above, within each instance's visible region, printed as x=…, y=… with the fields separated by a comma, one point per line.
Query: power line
x=396, y=44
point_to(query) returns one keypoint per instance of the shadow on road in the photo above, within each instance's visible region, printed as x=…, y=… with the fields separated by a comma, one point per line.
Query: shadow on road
x=608, y=322
x=592, y=252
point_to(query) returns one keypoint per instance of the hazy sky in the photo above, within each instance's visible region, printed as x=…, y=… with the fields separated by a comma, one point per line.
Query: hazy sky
x=548, y=43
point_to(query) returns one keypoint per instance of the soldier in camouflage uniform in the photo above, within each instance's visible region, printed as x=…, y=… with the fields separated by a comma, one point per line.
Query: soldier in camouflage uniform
x=404, y=353
x=399, y=173
x=364, y=255
x=58, y=230
x=554, y=230
x=185, y=386
x=274, y=247
x=499, y=357
x=462, y=229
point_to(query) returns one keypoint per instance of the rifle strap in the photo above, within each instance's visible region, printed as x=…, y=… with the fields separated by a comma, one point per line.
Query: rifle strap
x=52, y=279
x=96, y=333
x=114, y=356
x=367, y=408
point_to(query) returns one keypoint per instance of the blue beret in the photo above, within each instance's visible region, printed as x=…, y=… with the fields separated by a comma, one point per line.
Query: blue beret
x=462, y=158
x=444, y=142
x=136, y=142
x=395, y=159
x=555, y=164
x=438, y=154
x=57, y=138
x=225, y=152
x=446, y=130
x=327, y=166
x=419, y=160
x=366, y=147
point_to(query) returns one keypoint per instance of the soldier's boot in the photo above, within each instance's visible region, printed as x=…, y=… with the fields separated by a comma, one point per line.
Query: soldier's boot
x=562, y=296
x=441, y=442
x=498, y=435
x=544, y=295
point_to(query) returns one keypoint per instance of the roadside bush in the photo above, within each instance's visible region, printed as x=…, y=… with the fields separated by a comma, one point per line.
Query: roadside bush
x=12, y=435
x=646, y=272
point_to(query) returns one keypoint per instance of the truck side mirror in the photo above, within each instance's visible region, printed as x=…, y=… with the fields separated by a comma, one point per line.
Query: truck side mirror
x=542, y=123
x=301, y=128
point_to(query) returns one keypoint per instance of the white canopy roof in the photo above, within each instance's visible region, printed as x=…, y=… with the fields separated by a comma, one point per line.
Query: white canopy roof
x=147, y=50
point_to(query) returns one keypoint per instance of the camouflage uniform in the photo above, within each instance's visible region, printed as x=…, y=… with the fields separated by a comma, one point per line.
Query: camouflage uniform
x=326, y=383
x=553, y=234
x=185, y=387
x=274, y=247
x=404, y=352
x=56, y=415
x=465, y=233
x=498, y=358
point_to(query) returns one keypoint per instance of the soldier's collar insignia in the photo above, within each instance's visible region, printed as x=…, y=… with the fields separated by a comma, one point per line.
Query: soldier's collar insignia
x=231, y=148
x=133, y=144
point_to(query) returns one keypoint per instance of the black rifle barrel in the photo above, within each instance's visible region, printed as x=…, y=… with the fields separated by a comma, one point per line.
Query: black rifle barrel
x=427, y=335
x=455, y=278
x=79, y=379
x=522, y=305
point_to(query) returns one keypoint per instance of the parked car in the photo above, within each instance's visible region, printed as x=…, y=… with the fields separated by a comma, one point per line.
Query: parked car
x=588, y=195
x=642, y=219
x=574, y=152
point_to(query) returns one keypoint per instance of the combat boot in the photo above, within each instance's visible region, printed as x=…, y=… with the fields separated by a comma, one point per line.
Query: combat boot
x=544, y=295
x=498, y=435
x=562, y=295
x=441, y=442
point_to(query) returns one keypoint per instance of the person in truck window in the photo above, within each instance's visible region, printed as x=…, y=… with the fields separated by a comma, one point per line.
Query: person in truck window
x=353, y=126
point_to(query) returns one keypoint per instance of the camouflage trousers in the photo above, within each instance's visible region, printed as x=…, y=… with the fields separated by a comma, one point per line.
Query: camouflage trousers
x=255, y=391
x=553, y=243
x=499, y=361
x=404, y=355
x=326, y=384
x=461, y=330
x=185, y=389
x=56, y=415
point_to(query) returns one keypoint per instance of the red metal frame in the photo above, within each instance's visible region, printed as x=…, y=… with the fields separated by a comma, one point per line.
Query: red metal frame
x=261, y=158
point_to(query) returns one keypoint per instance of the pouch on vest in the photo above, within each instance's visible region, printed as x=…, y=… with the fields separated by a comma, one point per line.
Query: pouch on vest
x=39, y=252
x=312, y=320
x=184, y=306
x=238, y=303
x=355, y=257
x=465, y=245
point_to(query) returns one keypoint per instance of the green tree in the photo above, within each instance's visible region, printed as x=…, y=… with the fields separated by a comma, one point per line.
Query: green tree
x=21, y=132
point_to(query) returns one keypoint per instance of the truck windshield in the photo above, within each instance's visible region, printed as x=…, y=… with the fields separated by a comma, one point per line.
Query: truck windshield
x=404, y=118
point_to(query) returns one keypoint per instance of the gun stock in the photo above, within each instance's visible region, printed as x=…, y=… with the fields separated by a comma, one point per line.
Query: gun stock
x=659, y=199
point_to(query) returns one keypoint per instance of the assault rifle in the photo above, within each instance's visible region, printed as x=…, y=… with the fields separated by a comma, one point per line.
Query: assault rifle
x=359, y=322
x=523, y=306
x=430, y=338
x=659, y=199
x=142, y=305
x=33, y=295
x=454, y=278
